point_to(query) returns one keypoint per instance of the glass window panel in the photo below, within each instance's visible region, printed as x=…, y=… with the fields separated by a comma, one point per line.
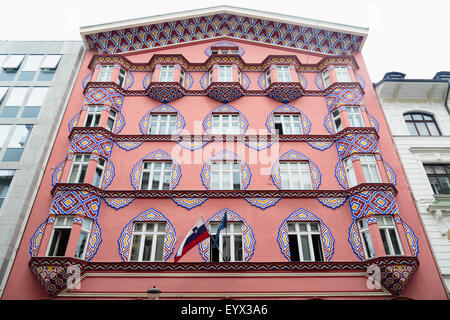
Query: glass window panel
x=433, y=129
x=385, y=241
x=314, y=226
x=422, y=128
x=412, y=129
x=79, y=252
x=9, y=112
x=417, y=117
x=302, y=227
x=134, y=256
x=394, y=240
x=37, y=96
x=3, y=91
x=439, y=169
x=148, y=242
x=368, y=244
x=159, y=248
x=305, y=248
x=238, y=248
x=12, y=154
x=293, y=247
x=26, y=76
x=30, y=112
x=46, y=75
x=445, y=184
x=317, y=247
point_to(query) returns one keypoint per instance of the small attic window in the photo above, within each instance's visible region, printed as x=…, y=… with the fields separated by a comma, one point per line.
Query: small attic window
x=224, y=50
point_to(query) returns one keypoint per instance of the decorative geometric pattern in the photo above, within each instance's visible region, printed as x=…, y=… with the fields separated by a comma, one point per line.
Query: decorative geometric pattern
x=225, y=91
x=373, y=122
x=76, y=203
x=262, y=81
x=136, y=172
x=128, y=145
x=270, y=123
x=302, y=80
x=248, y=238
x=146, y=81
x=91, y=143
x=356, y=143
x=119, y=124
x=86, y=80
x=188, y=81
x=191, y=144
x=241, y=50
x=223, y=25
x=340, y=175
x=73, y=122
x=128, y=81
x=165, y=91
x=99, y=96
x=225, y=155
x=225, y=108
x=108, y=174
x=148, y=215
x=360, y=80
x=36, y=239
x=392, y=177
x=144, y=124
x=395, y=277
x=118, y=203
x=328, y=124
x=56, y=176
x=204, y=81
x=263, y=203
x=367, y=203
x=319, y=81
x=343, y=96
x=189, y=203
x=316, y=176
x=284, y=92
x=52, y=278
x=305, y=215
x=321, y=145
x=412, y=238
x=95, y=238
x=332, y=202
x=355, y=240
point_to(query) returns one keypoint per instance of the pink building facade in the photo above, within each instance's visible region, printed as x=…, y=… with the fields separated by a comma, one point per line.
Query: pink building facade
x=224, y=111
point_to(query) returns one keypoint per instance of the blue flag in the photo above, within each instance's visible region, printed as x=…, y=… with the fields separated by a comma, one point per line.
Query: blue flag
x=223, y=224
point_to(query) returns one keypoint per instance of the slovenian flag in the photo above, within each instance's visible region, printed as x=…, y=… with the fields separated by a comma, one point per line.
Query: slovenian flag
x=197, y=234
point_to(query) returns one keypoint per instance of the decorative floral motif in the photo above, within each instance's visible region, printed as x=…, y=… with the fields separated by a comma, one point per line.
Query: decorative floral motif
x=56, y=176
x=118, y=203
x=332, y=202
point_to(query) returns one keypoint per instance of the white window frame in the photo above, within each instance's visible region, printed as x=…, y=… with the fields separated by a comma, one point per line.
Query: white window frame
x=84, y=236
x=225, y=123
x=225, y=73
x=326, y=78
x=284, y=73
x=337, y=117
x=166, y=73
x=121, y=77
x=182, y=77
x=164, y=171
x=232, y=233
x=81, y=161
x=354, y=116
x=105, y=73
x=350, y=172
x=101, y=163
x=385, y=224
x=61, y=222
x=220, y=169
x=165, y=123
x=111, y=119
x=94, y=113
x=295, y=168
x=289, y=122
x=370, y=168
x=308, y=232
x=342, y=74
x=364, y=233
x=155, y=230
x=268, y=79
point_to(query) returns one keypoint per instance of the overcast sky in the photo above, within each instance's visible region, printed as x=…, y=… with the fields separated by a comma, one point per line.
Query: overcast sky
x=407, y=36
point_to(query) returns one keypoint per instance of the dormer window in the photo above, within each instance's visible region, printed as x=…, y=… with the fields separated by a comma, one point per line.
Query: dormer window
x=166, y=74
